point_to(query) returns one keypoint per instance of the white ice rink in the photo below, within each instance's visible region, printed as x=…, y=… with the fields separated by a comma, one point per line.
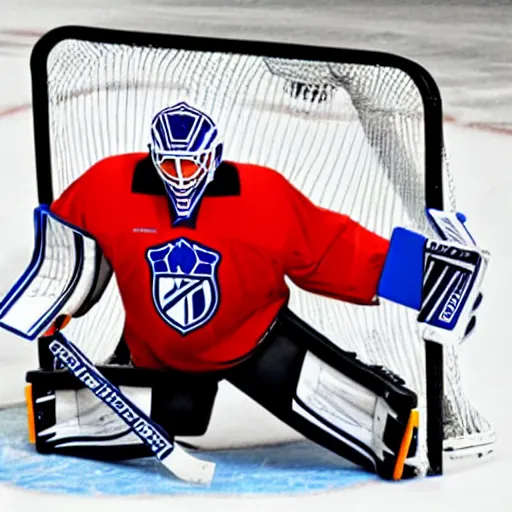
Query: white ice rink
x=466, y=45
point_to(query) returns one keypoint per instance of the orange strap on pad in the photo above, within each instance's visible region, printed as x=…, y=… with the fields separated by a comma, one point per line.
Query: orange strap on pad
x=30, y=414
x=412, y=424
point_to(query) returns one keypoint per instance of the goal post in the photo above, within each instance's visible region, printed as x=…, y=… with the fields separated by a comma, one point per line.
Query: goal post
x=359, y=132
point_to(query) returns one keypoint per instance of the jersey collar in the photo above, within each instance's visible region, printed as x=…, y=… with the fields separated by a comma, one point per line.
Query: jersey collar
x=226, y=183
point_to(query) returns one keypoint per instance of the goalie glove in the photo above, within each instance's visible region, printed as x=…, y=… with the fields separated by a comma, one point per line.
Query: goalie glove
x=441, y=279
x=66, y=277
x=451, y=228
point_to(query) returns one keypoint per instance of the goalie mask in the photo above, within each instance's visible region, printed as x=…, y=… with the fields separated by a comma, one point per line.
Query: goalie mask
x=186, y=151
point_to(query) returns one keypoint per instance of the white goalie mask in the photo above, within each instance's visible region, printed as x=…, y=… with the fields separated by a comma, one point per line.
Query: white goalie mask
x=186, y=150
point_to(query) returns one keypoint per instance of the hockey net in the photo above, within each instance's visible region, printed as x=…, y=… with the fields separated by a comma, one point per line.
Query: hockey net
x=352, y=136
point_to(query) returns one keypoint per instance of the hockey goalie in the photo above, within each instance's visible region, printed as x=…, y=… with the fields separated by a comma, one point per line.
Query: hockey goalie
x=201, y=248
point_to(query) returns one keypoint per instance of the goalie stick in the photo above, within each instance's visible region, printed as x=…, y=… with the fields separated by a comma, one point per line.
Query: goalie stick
x=170, y=454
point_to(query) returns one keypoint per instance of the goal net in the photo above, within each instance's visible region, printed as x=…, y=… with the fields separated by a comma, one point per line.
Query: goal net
x=358, y=132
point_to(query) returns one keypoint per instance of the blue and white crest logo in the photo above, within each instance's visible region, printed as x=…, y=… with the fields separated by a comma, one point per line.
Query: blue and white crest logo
x=184, y=281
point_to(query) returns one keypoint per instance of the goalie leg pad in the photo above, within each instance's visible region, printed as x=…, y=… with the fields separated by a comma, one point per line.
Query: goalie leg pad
x=363, y=413
x=68, y=419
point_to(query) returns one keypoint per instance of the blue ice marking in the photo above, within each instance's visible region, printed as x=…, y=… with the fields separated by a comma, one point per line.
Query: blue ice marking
x=296, y=468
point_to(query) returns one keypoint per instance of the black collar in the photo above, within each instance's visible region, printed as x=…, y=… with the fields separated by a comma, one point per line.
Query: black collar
x=146, y=180
x=226, y=183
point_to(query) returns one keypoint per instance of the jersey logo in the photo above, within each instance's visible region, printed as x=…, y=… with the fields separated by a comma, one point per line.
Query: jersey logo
x=185, y=284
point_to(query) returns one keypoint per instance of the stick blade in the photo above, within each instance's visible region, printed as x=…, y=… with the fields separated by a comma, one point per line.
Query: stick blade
x=186, y=467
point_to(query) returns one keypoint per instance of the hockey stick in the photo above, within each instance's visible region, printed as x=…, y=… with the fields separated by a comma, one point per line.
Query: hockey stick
x=171, y=455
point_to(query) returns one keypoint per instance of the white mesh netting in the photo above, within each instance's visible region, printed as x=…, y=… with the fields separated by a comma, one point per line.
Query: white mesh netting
x=349, y=136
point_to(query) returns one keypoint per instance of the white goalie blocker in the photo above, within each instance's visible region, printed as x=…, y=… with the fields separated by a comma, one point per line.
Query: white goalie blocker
x=66, y=277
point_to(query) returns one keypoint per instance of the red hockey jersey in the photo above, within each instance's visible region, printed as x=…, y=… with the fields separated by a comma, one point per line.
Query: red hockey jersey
x=200, y=295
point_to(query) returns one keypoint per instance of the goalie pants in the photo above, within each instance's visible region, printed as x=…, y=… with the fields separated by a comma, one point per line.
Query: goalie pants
x=270, y=375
